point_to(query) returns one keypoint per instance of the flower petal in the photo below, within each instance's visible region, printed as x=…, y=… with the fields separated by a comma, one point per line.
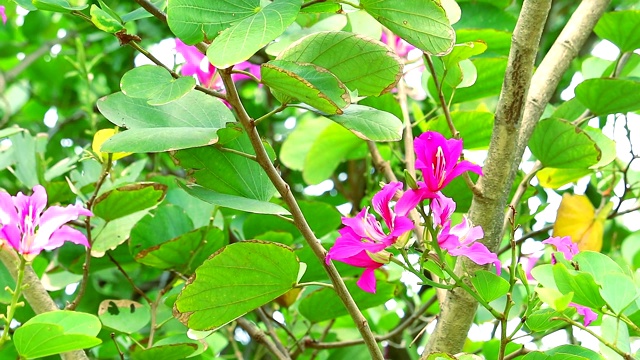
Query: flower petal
x=589, y=315
x=11, y=233
x=8, y=212
x=477, y=252
x=442, y=207
x=412, y=197
x=381, y=201
x=367, y=281
x=53, y=218
x=66, y=233
x=563, y=245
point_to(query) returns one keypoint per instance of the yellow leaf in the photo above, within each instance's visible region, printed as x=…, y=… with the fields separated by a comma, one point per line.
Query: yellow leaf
x=99, y=138
x=577, y=219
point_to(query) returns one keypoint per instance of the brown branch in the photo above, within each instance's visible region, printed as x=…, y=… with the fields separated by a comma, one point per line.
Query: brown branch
x=300, y=221
x=261, y=337
x=487, y=209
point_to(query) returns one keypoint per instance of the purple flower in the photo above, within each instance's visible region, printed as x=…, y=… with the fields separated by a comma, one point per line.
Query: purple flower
x=589, y=315
x=195, y=61
x=362, y=241
x=460, y=240
x=29, y=230
x=438, y=157
x=3, y=15
x=563, y=245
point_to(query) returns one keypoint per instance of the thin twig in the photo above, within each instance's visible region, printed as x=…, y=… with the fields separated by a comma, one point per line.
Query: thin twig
x=261, y=337
x=272, y=331
x=126, y=276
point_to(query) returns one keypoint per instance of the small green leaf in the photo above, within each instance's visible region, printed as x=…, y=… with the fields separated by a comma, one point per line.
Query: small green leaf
x=124, y=315
x=107, y=235
x=190, y=121
x=245, y=37
x=621, y=28
x=104, y=21
x=578, y=352
x=369, y=123
x=155, y=84
x=308, y=83
x=489, y=285
x=61, y=6
x=609, y=96
x=423, y=24
x=324, y=304
x=141, y=13
x=235, y=202
x=168, y=222
x=235, y=280
x=56, y=332
x=185, y=252
x=559, y=144
x=540, y=320
x=128, y=199
x=554, y=298
x=585, y=290
x=361, y=63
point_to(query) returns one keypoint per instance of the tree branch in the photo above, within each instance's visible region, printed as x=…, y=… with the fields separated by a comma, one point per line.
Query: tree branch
x=301, y=223
x=487, y=209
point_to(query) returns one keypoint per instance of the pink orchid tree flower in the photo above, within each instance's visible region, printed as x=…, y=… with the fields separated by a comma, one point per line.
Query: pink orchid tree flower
x=589, y=315
x=401, y=47
x=461, y=239
x=564, y=245
x=437, y=158
x=196, y=64
x=3, y=15
x=362, y=242
x=29, y=230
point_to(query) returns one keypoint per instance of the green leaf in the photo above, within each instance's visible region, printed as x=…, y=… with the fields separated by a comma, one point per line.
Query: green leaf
x=619, y=291
x=334, y=145
x=554, y=298
x=421, y=23
x=609, y=96
x=324, y=304
x=369, y=123
x=234, y=202
x=61, y=6
x=104, y=21
x=165, y=352
x=197, y=20
x=621, y=28
x=226, y=172
x=489, y=285
x=498, y=41
x=540, y=320
x=141, y=13
x=124, y=315
x=235, y=280
x=579, y=352
x=107, y=235
x=475, y=127
x=308, y=83
x=559, y=144
x=56, y=332
x=585, y=290
x=361, y=63
x=185, y=252
x=190, y=121
x=606, y=146
x=245, y=37
x=489, y=82
x=128, y=199
x=155, y=84
x=168, y=222
x=554, y=178
x=598, y=265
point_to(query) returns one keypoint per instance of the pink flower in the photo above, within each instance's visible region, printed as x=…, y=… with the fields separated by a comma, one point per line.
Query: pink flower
x=246, y=66
x=362, y=241
x=563, y=245
x=438, y=157
x=30, y=230
x=3, y=15
x=195, y=62
x=589, y=315
x=528, y=263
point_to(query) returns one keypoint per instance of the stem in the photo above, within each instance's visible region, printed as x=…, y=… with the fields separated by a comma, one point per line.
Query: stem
x=11, y=309
x=272, y=332
x=270, y=113
x=611, y=346
x=301, y=223
x=262, y=338
x=314, y=283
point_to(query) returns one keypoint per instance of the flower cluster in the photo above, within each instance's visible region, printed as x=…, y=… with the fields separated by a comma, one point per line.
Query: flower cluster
x=29, y=230
x=197, y=64
x=363, y=242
